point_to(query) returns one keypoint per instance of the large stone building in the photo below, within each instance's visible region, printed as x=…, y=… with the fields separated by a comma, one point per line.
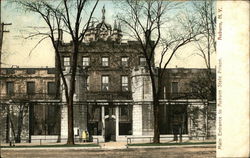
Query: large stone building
x=113, y=96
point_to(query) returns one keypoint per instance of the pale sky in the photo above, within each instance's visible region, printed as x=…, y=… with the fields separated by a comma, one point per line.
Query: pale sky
x=16, y=49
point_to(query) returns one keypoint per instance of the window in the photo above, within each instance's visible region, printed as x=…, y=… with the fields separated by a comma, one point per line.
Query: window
x=66, y=61
x=87, y=83
x=174, y=87
x=10, y=88
x=124, y=83
x=30, y=88
x=105, y=83
x=51, y=71
x=10, y=71
x=142, y=61
x=30, y=71
x=52, y=88
x=85, y=61
x=105, y=61
x=124, y=61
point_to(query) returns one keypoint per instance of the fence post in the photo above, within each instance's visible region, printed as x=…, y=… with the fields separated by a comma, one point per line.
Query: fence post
x=40, y=141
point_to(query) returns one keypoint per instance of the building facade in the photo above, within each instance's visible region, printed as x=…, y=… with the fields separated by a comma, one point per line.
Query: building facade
x=113, y=96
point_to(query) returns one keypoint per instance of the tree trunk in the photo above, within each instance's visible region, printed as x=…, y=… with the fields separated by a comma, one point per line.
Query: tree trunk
x=156, y=120
x=70, y=122
x=71, y=94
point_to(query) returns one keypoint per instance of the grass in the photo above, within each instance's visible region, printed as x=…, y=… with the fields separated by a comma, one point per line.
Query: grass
x=170, y=144
x=52, y=146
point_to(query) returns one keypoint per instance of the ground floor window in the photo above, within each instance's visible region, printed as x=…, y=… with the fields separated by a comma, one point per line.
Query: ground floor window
x=125, y=120
x=173, y=119
x=45, y=119
x=94, y=120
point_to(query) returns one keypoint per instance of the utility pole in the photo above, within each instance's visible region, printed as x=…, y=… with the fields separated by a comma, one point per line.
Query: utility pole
x=2, y=31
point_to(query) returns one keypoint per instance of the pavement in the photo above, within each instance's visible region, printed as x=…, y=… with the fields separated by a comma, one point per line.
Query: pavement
x=113, y=150
x=180, y=152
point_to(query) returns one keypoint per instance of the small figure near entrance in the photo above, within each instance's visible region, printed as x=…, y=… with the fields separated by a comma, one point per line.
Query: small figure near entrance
x=85, y=136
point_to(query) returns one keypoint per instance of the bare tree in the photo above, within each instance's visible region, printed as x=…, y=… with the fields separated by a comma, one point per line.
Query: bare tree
x=160, y=38
x=204, y=84
x=66, y=16
x=206, y=43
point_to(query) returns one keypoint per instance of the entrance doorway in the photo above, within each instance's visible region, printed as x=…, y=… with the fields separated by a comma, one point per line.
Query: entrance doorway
x=110, y=124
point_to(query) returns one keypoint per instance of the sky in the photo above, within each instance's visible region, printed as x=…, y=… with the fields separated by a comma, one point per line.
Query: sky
x=18, y=51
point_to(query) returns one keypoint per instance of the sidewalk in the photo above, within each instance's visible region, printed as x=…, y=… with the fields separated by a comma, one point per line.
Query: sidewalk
x=104, y=146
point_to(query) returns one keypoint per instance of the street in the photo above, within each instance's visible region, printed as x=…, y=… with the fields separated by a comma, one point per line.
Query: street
x=173, y=152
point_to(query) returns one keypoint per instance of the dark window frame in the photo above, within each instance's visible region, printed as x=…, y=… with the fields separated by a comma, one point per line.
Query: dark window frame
x=28, y=91
x=10, y=92
x=53, y=92
x=175, y=90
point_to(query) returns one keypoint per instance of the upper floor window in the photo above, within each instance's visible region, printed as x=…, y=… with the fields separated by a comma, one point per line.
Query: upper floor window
x=105, y=83
x=105, y=61
x=124, y=61
x=10, y=71
x=31, y=87
x=174, y=87
x=87, y=83
x=142, y=61
x=124, y=83
x=51, y=88
x=66, y=61
x=85, y=61
x=10, y=88
x=30, y=71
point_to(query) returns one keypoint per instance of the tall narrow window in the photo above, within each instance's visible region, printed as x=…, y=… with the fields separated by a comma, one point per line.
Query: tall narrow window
x=30, y=88
x=66, y=61
x=51, y=88
x=174, y=87
x=105, y=61
x=87, y=83
x=10, y=88
x=124, y=61
x=105, y=83
x=142, y=61
x=85, y=61
x=124, y=83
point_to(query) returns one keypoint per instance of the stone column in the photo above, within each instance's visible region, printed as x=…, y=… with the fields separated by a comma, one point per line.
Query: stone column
x=137, y=120
x=103, y=121
x=117, y=120
x=64, y=123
